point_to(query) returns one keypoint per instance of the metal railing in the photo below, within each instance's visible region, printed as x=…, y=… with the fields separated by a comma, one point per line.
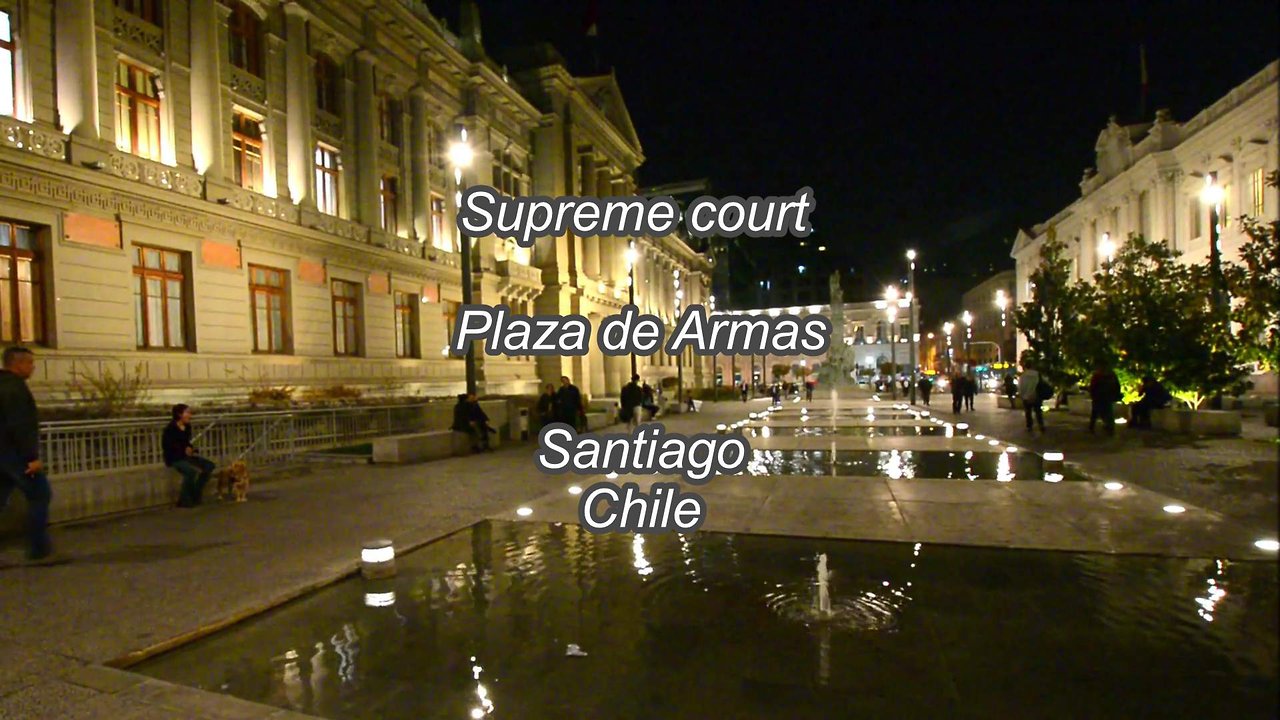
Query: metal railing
x=259, y=438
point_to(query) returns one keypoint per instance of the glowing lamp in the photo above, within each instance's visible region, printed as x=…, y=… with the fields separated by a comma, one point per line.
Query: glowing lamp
x=377, y=559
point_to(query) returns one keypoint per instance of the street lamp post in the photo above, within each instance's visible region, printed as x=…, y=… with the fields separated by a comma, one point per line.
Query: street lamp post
x=1002, y=302
x=891, y=313
x=967, y=318
x=632, y=257
x=460, y=157
x=1212, y=196
x=679, y=358
x=911, y=317
x=715, y=366
x=947, y=327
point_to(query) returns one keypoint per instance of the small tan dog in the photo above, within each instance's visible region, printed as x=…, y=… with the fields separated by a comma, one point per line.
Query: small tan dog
x=234, y=479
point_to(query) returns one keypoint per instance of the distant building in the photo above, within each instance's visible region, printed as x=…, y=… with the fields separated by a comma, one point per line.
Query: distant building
x=876, y=343
x=1149, y=177
x=993, y=331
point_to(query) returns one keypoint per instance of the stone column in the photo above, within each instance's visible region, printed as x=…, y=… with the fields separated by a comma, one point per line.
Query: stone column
x=591, y=244
x=300, y=100
x=76, y=45
x=208, y=146
x=419, y=148
x=368, y=174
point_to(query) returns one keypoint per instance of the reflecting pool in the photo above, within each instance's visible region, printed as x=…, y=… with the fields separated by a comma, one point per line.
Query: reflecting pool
x=857, y=431
x=531, y=621
x=906, y=464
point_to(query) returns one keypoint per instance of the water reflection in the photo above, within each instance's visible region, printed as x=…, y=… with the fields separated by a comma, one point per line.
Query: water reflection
x=901, y=464
x=725, y=626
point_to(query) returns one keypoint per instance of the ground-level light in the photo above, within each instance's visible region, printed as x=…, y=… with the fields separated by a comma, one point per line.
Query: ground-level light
x=1174, y=509
x=1113, y=485
x=1269, y=545
x=377, y=559
x=524, y=511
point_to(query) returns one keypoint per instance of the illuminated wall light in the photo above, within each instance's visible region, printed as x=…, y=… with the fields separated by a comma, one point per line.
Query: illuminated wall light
x=1174, y=509
x=1113, y=485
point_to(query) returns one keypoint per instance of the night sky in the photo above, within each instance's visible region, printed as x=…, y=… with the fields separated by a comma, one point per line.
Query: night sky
x=943, y=126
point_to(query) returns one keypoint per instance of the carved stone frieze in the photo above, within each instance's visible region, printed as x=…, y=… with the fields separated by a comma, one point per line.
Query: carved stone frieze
x=247, y=85
x=131, y=167
x=19, y=135
x=327, y=123
x=136, y=31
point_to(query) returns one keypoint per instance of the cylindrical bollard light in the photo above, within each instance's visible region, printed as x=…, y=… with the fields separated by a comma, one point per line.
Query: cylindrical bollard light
x=962, y=428
x=379, y=593
x=1053, y=463
x=722, y=428
x=377, y=559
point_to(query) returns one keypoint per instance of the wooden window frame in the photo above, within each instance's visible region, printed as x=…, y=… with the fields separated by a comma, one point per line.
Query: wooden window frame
x=1258, y=194
x=141, y=271
x=245, y=26
x=341, y=319
x=439, y=210
x=150, y=10
x=390, y=119
x=133, y=100
x=245, y=142
x=335, y=173
x=328, y=78
x=12, y=255
x=10, y=46
x=406, y=324
x=388, y=203
x=268, y=290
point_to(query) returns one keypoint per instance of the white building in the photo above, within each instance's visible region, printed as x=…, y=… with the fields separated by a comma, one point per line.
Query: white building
x=1149, y=178
x=229, y=193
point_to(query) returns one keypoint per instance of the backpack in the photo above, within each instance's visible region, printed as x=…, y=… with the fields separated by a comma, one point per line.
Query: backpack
x=1044, y=391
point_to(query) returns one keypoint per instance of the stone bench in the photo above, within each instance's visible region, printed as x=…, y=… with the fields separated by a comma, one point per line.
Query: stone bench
x=1196, y=422
x=419, y=447
x=597, y=420
x=1084, y=406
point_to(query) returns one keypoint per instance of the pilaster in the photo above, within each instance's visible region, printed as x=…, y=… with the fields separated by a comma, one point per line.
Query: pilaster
x=300, y=107
x=75, y=40
x=367, y=174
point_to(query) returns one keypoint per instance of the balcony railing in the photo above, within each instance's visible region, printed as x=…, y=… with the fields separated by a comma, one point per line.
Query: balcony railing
x=259, y=438
x=132, y=167
x=22, y=136
x=136, y=31
x=246, y=84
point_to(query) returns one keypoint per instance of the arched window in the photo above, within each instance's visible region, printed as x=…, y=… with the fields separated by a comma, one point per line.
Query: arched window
x=245, y=32
x=326, y=84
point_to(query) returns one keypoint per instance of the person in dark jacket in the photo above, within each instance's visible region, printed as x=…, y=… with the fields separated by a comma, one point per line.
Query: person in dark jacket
x=630, y=400
x=1104, y=391
x=181, y=456
x=925, y=386
x=1154, y=397
x=470, y=418
x=20, y=465
x=547, y=405
x=957, y=393
x=970, y=391
x=569, y=407
x=1010, y=389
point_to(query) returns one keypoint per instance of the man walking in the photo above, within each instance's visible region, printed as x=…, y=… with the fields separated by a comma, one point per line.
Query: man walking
x=970, y=390
x=957, y=393
x=1104, y=392
x=630, y=400
x=569, y=407
x=926, y=386
x=181, y=456
x=1030, y=392
x=20, y=465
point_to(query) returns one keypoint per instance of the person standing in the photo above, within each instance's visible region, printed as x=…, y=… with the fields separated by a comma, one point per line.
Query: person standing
x=1010, y=389
x=569, y=404
x=744, y=390
x=925, y=386
x=547, y=405
x=181, y=456
x=630, y=400
x=1104, y=392
x=20, y=465
x=957, y=393
x=970, y=391
x=1031, y=394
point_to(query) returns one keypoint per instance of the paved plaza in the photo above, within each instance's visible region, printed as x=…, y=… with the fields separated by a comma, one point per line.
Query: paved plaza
x=146, y=582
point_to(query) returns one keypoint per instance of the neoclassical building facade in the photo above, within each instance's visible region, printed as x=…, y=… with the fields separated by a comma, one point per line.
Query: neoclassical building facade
x=223, y=194
x=1149, y=180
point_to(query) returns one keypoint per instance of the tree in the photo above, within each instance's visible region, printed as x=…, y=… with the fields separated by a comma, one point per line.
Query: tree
x=780, y=371
x=1157, y=317
x=1054, y=319
x=1255, y=287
